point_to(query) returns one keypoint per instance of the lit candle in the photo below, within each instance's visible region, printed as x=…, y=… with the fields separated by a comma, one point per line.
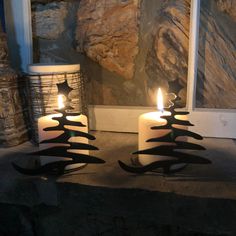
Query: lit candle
x=148, y=120
x=47, y=121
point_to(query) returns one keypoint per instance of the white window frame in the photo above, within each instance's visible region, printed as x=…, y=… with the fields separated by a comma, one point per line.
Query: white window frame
x=208, y=122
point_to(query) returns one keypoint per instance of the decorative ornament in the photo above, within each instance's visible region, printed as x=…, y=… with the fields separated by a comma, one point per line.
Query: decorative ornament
x=65, y=151
x=173, y=148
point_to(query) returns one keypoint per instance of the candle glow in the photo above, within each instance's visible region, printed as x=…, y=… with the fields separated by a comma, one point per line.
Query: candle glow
x=48, y=121
x=60, y=101
x=160, y=105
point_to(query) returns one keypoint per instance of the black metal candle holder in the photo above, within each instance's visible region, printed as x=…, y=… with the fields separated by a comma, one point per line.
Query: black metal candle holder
x=170, y=150
x=59, y=167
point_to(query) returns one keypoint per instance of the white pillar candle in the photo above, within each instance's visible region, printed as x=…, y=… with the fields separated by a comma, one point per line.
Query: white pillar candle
x=146, y=122
x=46, y=122
x=149, y=120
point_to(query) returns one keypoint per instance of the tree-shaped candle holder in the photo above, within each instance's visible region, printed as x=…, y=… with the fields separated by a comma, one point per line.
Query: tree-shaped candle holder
x=169, y=146
x=61, y=145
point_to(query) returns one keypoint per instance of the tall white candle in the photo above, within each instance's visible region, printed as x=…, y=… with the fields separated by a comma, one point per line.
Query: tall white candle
x=146, y=122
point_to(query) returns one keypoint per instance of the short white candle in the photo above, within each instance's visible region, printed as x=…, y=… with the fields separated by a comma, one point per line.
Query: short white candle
x=47, y=121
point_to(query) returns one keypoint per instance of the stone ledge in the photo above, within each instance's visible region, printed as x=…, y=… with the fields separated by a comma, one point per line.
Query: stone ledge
x=104, y=199
x=88, y=210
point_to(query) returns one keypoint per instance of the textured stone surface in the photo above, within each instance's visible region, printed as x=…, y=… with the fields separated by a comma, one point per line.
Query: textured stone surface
x=168, y=57
x=108, y=33
x=105, y=200
x=59, y=47
x=13, y=127
x=48, y=20
x=228, y=7
x=130, y=48
x=12, y=124
x=162, y=53
x=217, y=56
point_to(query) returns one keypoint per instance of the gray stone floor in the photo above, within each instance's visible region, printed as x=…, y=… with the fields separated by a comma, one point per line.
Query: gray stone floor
x=201, y=198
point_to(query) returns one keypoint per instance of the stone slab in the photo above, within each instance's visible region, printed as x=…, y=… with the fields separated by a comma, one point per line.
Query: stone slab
x=104, y=199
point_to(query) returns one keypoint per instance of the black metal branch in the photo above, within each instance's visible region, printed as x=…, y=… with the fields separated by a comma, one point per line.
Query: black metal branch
x=168, y=151
x=166, y=126
x=165, y=164
x=188, y=145
x=62, y=151
x=63, y=138
x=59, y=127
x=72, y=145
x=180, y=112
x=173, y=134
x=82, y=146
x=56, y=167
x=172, y=120
x=65, y=121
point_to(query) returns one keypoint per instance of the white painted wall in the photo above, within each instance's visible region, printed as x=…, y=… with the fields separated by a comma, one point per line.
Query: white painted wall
x=208, y=123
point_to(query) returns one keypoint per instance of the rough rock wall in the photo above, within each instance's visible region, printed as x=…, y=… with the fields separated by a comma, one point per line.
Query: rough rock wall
x=167, y=59
x=143, y=41
x=228, y=7
x=217, y=55
x=53, y=24
x=129, y=48
x=107, y=32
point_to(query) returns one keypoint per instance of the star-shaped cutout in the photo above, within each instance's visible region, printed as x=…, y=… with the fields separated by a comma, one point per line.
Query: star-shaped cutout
x=64, y=88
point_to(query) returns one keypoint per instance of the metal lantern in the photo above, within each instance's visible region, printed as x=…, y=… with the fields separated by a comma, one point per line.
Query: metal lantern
x=42, y=80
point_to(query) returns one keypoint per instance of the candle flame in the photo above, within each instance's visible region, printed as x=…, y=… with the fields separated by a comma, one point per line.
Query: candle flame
x=160, y=105
x=60, y=101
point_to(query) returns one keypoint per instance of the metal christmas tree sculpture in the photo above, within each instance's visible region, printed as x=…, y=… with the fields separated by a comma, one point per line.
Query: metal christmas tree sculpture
x=172, y=149
x=65, y=151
